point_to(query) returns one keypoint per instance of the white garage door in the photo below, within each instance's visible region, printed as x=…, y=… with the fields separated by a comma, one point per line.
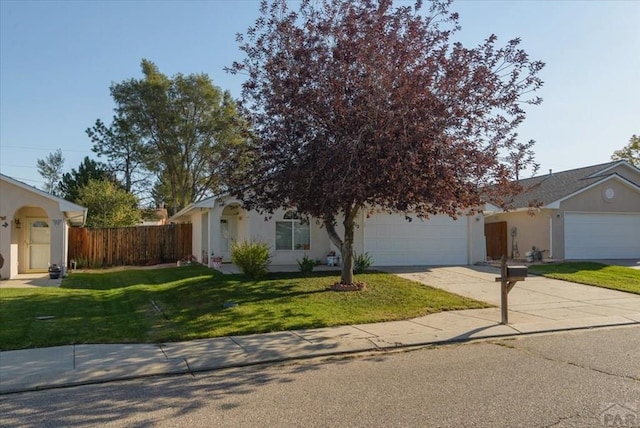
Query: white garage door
x=391, y=240
x=601, y=236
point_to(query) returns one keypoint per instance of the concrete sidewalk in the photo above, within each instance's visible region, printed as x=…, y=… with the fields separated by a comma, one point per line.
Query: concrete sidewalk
x=536, y=305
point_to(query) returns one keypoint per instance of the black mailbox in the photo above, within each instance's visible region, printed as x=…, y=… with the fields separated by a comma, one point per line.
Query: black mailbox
x=517, y=272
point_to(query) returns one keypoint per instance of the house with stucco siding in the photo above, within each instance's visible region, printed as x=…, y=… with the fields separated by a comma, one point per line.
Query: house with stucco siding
x=389, y=238
x=584, y=213
x=33, y=228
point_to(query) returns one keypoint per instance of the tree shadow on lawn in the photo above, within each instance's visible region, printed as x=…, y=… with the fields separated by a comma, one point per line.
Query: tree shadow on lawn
x=193, y=274
x=566, y=267
x=237, y=288
x=127, y=278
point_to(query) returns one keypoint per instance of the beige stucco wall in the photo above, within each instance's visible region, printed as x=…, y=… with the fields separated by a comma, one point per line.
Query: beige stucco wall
x=251, y=225
x=7, y=248
x=196, y=234
x=532, y=230
x=266, y=230
x=477, y=243
x=19, y=204
x=248, y=225
x=626, y=199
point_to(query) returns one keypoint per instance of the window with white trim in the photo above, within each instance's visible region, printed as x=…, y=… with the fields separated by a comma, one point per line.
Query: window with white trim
x=292, y=232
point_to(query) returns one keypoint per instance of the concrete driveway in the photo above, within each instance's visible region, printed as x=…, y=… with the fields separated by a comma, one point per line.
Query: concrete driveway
x=31, y=280
x=537, y=299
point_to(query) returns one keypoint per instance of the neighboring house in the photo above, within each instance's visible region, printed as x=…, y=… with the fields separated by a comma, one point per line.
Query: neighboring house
x=585, y=213
x=154, y=217
x=389, y=238
x=33, y=228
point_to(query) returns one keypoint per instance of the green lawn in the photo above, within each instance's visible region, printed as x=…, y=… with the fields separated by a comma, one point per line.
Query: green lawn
x=118, y=307
x=598, y=274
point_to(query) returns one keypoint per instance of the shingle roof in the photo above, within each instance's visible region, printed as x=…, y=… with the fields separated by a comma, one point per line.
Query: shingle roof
x=552, y=187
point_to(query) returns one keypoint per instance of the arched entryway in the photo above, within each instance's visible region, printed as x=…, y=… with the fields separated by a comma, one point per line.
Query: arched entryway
x=234, y=221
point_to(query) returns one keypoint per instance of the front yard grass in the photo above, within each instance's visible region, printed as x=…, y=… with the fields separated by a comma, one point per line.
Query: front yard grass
x=120, y=307
x=591, y=273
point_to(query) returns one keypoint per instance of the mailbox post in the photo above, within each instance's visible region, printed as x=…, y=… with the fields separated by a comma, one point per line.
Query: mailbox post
x=509, y=275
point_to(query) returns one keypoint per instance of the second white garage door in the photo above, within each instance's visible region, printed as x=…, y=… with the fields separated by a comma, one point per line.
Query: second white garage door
x=391, y=240
x=601, y=236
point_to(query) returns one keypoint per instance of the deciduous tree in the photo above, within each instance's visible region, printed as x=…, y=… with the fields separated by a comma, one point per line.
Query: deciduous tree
x=50, y=168
x=356, y=104
x=630, y=152
x=184, y=124
x=108, y=204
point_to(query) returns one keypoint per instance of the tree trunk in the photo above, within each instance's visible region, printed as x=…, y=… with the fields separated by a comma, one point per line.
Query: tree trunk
x=331, y=230
x=347, y=250
x=346, y=244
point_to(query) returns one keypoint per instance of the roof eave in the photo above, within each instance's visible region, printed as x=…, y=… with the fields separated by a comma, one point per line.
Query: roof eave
x=70, y=209
x=205, y=203
x=615, y=165
x=556, y=204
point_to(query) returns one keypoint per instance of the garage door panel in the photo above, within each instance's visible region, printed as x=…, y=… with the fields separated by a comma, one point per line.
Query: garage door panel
x=602, y=236
x=392, y=240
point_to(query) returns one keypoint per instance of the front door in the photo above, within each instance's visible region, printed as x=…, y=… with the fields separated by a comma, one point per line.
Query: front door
x=39, y=241
x=227, y=237
x=496, y=239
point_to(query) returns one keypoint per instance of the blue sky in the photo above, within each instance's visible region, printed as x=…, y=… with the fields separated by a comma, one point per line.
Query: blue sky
x=58, y=58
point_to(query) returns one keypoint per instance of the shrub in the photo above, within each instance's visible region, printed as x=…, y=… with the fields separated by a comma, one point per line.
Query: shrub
x=361, y=262
x=252, y=257
x=306, y=265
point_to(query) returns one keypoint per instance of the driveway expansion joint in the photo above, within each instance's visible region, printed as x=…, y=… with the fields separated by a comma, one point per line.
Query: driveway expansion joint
x=163, y=353
x=237, y=343
x=189, y=367
x=424, y=325
x=301, y=337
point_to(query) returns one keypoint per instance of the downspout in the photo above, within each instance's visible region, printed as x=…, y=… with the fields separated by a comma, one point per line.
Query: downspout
x=472, y=222
x=211, y=227
x=469, y=240
x=550, y=236
x=65, y=247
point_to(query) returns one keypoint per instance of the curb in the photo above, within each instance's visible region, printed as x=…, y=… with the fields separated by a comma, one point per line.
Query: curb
x=181, y=366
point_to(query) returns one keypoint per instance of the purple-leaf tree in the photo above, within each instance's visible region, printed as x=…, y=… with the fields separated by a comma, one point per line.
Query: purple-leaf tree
x=357, y=104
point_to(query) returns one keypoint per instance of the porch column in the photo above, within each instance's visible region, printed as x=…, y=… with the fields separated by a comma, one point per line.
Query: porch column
x=214, y=230
x=57, y=249
x=5, y=246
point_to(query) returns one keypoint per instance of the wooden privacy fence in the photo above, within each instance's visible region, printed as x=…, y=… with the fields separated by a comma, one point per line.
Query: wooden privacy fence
x=119, y=246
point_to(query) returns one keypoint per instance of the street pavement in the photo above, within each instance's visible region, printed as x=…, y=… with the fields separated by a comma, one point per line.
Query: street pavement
x=536, y=305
